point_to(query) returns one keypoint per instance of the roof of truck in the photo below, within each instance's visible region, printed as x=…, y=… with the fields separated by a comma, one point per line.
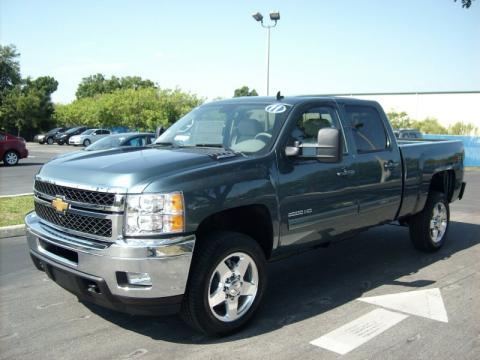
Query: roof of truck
x=293, y=100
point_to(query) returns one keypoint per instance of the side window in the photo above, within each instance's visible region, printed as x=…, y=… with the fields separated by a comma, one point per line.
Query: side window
x=311, y=121
x=150, y=139
x=367, y=128
x=106, y=132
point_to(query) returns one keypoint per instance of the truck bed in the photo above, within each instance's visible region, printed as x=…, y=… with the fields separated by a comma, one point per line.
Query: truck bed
x=421, y=159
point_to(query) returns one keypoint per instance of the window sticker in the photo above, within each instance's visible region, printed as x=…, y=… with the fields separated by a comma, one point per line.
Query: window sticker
x=276, y=108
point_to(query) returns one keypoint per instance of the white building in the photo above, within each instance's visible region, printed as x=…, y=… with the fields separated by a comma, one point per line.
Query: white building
x=446, y=107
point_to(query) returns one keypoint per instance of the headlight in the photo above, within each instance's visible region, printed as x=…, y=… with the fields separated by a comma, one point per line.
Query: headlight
x=149, y=214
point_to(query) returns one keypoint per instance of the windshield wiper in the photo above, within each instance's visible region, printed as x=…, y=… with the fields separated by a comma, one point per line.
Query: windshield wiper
x=209, y=145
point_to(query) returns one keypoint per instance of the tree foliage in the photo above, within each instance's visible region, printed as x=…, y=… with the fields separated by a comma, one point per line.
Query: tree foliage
x=401, y=120
x=141, y=109
x=9, y=69
x=244, y=91
x=98, y=84
x=27, y=108
x=466, y=3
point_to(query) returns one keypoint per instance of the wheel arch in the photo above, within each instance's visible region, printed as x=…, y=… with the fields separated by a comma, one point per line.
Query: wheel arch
x=253, y=220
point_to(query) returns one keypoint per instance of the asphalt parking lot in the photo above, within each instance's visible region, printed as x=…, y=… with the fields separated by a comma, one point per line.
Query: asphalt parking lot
x=19, y=179
x=308, y=297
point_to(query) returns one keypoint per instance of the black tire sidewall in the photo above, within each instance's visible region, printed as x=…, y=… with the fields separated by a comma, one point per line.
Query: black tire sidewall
x=420, y=227
x=230, y=243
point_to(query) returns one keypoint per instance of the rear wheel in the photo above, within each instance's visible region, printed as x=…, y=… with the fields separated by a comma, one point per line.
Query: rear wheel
x=226, y=283
x=86, y=142
x=428, y=229
x=10, y=158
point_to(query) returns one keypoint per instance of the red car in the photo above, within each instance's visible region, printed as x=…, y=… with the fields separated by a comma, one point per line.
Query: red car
x=12, y=149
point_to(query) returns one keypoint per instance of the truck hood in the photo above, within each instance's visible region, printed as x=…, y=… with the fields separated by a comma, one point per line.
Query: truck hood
x=124, y=169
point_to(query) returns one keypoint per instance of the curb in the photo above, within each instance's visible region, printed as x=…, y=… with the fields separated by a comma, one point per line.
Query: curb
x=16, y=195
x=12, y=231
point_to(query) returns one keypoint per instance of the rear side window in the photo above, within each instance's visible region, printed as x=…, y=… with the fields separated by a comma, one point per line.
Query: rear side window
x=367, y=128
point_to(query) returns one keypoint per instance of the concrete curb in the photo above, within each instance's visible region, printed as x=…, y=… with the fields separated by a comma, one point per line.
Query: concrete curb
x=12, y=231
x=16, y=195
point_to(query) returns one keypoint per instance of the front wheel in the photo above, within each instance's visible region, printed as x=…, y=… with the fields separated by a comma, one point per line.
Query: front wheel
x=226, y=284
x=50, y=141
x=428, y=229
x=86, y=142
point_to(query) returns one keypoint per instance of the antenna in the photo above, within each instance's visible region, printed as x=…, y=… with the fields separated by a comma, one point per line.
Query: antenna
x=279, y=97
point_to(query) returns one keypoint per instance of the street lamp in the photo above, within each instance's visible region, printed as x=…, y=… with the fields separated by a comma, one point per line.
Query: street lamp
x=274, y=16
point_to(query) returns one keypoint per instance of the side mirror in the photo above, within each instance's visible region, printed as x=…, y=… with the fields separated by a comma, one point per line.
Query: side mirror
x=159, y=131
x=329, y=145
x=328, y=149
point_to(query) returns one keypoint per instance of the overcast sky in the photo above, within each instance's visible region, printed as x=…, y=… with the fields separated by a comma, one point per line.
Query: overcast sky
x=212, y=47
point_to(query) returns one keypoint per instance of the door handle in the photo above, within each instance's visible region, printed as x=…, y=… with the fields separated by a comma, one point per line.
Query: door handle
x=346, y=172
x=390, y=165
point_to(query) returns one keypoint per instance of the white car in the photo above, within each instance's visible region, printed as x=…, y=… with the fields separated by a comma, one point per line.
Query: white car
x=88, y=137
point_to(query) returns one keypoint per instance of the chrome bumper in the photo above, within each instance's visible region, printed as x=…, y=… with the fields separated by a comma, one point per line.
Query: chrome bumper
x=167, y=263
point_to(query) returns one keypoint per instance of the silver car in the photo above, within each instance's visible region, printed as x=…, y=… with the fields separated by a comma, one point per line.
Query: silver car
x=89, y=137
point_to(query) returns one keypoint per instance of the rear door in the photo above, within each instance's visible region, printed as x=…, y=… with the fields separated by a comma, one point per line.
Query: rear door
x=317, y=200
x=378, y=180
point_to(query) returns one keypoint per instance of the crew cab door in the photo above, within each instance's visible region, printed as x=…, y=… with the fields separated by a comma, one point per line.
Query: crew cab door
x=316, y=198
x=378, y=180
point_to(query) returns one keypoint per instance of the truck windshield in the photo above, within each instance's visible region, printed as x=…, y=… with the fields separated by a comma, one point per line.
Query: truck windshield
x=249, y=128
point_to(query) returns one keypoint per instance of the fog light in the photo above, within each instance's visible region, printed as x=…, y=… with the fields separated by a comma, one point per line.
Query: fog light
x=139, y=279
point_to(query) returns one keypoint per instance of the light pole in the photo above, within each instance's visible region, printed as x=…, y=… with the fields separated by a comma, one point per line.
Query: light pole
x=274, y=16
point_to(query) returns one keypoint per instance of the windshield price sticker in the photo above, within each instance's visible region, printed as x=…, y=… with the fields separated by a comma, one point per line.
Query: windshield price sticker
x=276, y=108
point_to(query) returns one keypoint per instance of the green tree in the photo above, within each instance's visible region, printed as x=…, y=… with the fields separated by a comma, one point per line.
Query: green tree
x=399, y=120
x=9, y=69
x=141, y=109
x=244, y=91
x=466, y=3
x=28, y=108
x=97, y=84
x=460, y=128
x=429, y=126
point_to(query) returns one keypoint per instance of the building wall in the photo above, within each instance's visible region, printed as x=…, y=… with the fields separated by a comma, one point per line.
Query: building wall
x=446, y=107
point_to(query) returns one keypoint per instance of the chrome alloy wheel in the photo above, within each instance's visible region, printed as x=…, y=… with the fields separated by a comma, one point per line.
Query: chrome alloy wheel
x=11, y=158
x=438, y=222
x=233, y=287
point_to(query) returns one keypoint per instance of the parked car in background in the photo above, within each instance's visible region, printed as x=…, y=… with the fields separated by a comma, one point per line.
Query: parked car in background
x=62, y=138
x=12, y=149
x=48, y=137
x=88, y=137
x=405, y=134
x=121, y=140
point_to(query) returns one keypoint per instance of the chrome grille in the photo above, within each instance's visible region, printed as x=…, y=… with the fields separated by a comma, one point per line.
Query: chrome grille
x=79, y=195
x=85, y=224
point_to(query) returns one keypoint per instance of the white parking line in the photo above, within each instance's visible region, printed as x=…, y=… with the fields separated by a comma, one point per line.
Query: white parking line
x=359, y=331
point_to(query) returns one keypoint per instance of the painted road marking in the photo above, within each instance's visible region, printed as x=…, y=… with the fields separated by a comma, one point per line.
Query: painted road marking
x=359, y=331
x=425, y=303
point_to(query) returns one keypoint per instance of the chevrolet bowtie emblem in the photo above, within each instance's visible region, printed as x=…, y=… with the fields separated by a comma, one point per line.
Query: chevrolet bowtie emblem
x=60, y=205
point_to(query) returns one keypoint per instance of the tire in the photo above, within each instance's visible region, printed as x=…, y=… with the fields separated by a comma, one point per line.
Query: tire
x=59, y=142
x=224, y=251
x=429, y=228
x=86, y=142
x=50, y=141
x=11, y=158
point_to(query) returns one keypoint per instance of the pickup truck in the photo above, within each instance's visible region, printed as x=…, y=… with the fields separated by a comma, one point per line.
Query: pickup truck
x=188, y=223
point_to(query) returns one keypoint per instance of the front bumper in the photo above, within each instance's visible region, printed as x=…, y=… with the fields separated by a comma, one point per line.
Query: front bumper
x=76, y=141
x=95, y=271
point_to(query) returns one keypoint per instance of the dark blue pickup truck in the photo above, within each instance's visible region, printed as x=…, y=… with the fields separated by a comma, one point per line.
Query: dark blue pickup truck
x=189, y=223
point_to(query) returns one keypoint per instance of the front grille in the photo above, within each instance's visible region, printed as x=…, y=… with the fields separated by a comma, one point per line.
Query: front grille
x=79, y=195
x=85, y=224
